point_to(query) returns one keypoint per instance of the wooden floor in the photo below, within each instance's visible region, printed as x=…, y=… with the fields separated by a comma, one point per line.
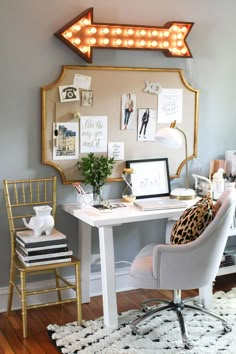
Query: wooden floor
x=38, y=342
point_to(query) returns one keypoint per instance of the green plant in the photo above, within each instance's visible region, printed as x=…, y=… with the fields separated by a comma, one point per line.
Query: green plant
x=95, y=169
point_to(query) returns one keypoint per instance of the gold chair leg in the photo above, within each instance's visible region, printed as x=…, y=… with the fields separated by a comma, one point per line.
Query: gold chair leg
x=11, y=288
x=23, y=303
x=78, y=293
x=56, y=274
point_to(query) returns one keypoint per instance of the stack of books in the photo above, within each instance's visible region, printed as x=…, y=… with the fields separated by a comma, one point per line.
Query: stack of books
x=46, y=249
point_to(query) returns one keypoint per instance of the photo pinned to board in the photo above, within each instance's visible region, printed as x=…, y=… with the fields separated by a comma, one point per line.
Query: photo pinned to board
x=147, y=119
x=128, y=106
x=87, y=98
x=67, y=141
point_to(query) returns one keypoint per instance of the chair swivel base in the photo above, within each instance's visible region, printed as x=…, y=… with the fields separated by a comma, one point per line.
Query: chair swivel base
x=178, y=307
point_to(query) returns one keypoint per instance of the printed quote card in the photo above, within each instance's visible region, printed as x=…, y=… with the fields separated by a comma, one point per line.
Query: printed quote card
x=93, y=134
x=170, y=105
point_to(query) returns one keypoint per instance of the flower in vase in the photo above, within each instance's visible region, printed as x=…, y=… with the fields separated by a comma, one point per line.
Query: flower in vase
x=128, y=171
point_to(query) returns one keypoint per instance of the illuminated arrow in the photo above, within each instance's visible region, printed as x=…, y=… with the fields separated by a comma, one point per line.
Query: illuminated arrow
x=82, y=35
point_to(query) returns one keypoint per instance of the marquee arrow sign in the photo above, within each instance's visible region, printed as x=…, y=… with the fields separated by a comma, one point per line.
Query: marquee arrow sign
x=82, y=35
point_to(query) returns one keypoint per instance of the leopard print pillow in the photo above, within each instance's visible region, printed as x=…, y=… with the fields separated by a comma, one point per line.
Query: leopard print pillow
x=193, y=221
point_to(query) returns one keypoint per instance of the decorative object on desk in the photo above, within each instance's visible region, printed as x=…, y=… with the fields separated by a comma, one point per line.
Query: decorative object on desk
x=95, y=170
x=203, y=185
x=128, y=194
x=171, y=137
x=159, y=334
x=216, y=164
x=42, y=222
x=229, y=184
x=84, y=199
x=218, y=183
x=151, y=178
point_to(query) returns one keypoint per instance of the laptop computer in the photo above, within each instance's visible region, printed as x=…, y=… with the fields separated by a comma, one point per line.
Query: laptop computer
x=160, y=203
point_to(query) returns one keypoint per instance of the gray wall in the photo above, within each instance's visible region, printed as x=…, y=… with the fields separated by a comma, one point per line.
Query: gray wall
x=32, y=57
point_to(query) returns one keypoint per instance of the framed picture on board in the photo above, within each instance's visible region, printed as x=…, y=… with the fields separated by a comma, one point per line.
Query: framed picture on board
x=87, y=98
x=150, y=178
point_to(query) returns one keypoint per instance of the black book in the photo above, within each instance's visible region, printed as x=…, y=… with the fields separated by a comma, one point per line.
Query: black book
x=49, y=256
x=27, y=239
x=41, y=250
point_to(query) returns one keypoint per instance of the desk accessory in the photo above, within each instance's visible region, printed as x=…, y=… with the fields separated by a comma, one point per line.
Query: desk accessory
x=84, y=199
x=203, y=185
x=170, y=136
x=218, y=183
x=128, y=194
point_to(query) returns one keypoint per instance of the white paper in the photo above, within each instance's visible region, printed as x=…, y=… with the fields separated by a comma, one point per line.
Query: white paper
x=170, y=105
x=82, y=81
x=93, y=134
x=116, y=150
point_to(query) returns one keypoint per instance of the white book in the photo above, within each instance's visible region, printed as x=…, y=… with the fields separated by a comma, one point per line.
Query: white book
x=27, y=238
x=68, y=259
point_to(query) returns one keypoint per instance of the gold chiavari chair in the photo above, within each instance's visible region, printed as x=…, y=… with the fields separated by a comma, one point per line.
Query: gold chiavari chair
x=21, y=196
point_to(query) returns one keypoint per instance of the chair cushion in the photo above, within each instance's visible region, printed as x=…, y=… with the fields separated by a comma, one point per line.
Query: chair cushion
x=193, y=221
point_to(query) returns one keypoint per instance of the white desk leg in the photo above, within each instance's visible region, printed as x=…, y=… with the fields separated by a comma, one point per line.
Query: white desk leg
x=108, y=276
x=85, y=259
x=205, y=295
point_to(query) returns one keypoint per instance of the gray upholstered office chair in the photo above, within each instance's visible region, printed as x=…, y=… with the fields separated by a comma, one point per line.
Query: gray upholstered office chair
x=185, y=266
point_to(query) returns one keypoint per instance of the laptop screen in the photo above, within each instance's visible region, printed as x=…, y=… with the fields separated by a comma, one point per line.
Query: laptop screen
x=150, y=178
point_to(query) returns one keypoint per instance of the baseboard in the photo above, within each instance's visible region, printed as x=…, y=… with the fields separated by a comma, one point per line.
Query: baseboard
x=122, y=284
x=122, y=281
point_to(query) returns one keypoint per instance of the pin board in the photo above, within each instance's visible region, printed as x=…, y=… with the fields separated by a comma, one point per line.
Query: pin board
x=115, y=111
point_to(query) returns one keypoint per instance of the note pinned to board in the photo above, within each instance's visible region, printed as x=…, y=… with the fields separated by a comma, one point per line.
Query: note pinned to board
x=170, y=105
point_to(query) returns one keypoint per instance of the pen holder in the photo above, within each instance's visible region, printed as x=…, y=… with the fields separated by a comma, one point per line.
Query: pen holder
x=84, y=200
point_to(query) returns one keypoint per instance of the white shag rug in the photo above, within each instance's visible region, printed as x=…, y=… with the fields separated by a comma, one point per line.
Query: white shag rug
x=158, y=335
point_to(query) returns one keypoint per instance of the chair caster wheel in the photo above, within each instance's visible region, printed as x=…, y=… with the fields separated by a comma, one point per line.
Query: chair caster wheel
x=188, y=346
x=135, y=331
x=227, y=329
x=145, y=308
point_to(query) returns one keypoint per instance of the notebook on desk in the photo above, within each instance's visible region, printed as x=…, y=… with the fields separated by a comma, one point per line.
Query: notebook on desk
x=160, y=203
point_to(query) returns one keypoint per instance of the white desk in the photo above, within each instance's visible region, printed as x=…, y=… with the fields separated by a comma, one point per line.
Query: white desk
x=105, y=221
